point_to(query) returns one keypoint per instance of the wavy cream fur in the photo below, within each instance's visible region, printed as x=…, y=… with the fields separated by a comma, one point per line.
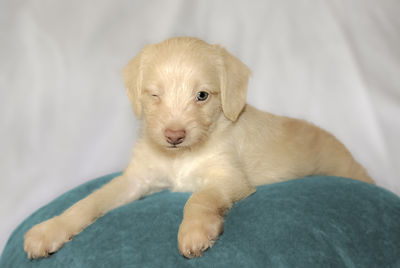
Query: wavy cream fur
x=229, y=147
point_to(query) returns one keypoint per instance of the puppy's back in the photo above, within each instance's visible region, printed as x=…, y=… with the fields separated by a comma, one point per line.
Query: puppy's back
x=274, y=148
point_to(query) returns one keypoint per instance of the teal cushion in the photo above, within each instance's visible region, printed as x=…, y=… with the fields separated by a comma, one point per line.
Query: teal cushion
x=309, y=222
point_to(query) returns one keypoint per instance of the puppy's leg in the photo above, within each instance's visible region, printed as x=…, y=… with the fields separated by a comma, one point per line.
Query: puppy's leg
x=305, y=149
x=335, y=159
x=50, y=235
x=204, y=214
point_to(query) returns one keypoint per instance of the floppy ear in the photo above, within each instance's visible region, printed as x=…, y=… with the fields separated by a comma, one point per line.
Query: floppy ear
x=234, y=80
x=132, y=75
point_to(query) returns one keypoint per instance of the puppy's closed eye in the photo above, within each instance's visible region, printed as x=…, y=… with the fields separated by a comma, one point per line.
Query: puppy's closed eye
x=153, y=92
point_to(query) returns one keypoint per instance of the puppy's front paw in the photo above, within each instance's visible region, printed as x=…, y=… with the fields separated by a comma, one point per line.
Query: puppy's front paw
x=46, y=237
x=196, y=235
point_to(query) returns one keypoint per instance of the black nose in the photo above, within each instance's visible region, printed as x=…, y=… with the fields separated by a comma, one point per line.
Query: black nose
x=174, y=137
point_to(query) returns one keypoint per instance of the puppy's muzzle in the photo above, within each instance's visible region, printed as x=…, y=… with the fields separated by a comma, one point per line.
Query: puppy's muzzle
x=175, y=137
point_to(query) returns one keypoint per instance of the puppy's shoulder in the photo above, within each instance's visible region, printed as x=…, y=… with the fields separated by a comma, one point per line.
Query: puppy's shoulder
x=253, y=121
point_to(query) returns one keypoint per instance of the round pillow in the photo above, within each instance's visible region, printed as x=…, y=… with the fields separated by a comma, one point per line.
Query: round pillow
x=310, y=222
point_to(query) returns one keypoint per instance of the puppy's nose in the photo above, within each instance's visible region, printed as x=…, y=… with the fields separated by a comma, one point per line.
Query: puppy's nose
x=174, y=137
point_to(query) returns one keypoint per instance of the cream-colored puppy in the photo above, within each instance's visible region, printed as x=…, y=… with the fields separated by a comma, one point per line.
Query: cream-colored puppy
x=199, y=135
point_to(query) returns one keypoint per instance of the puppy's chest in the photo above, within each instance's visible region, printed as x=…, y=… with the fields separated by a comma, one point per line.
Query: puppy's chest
x=185, y=174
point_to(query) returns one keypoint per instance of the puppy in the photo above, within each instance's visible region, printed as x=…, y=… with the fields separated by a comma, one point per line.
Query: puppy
x=199, y=135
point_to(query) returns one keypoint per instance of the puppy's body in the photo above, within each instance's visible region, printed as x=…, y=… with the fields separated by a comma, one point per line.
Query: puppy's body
x=198, y=135
x=266, y=147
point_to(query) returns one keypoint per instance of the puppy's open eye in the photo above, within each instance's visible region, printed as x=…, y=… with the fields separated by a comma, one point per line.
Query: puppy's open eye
x=202, y=96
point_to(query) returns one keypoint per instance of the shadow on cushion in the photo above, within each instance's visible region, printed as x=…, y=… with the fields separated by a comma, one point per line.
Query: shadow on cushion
x=310, y=222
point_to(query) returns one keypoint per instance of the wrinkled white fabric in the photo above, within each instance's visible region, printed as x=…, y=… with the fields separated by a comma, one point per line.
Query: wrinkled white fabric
x=65, y=118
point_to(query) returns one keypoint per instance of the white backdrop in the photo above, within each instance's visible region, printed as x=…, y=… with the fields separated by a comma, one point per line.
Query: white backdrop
x=65, y=117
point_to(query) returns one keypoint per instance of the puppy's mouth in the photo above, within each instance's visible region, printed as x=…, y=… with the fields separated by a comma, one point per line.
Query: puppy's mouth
x=174, y=147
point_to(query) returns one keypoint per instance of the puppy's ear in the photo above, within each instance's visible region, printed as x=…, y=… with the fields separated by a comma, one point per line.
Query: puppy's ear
x=132, y=75
x=234, y=80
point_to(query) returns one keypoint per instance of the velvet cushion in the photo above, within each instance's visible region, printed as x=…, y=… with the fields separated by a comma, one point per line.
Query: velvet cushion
x=309, y=222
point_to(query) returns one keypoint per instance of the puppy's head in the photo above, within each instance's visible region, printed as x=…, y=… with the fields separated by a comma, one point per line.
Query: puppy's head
x=180, y=87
